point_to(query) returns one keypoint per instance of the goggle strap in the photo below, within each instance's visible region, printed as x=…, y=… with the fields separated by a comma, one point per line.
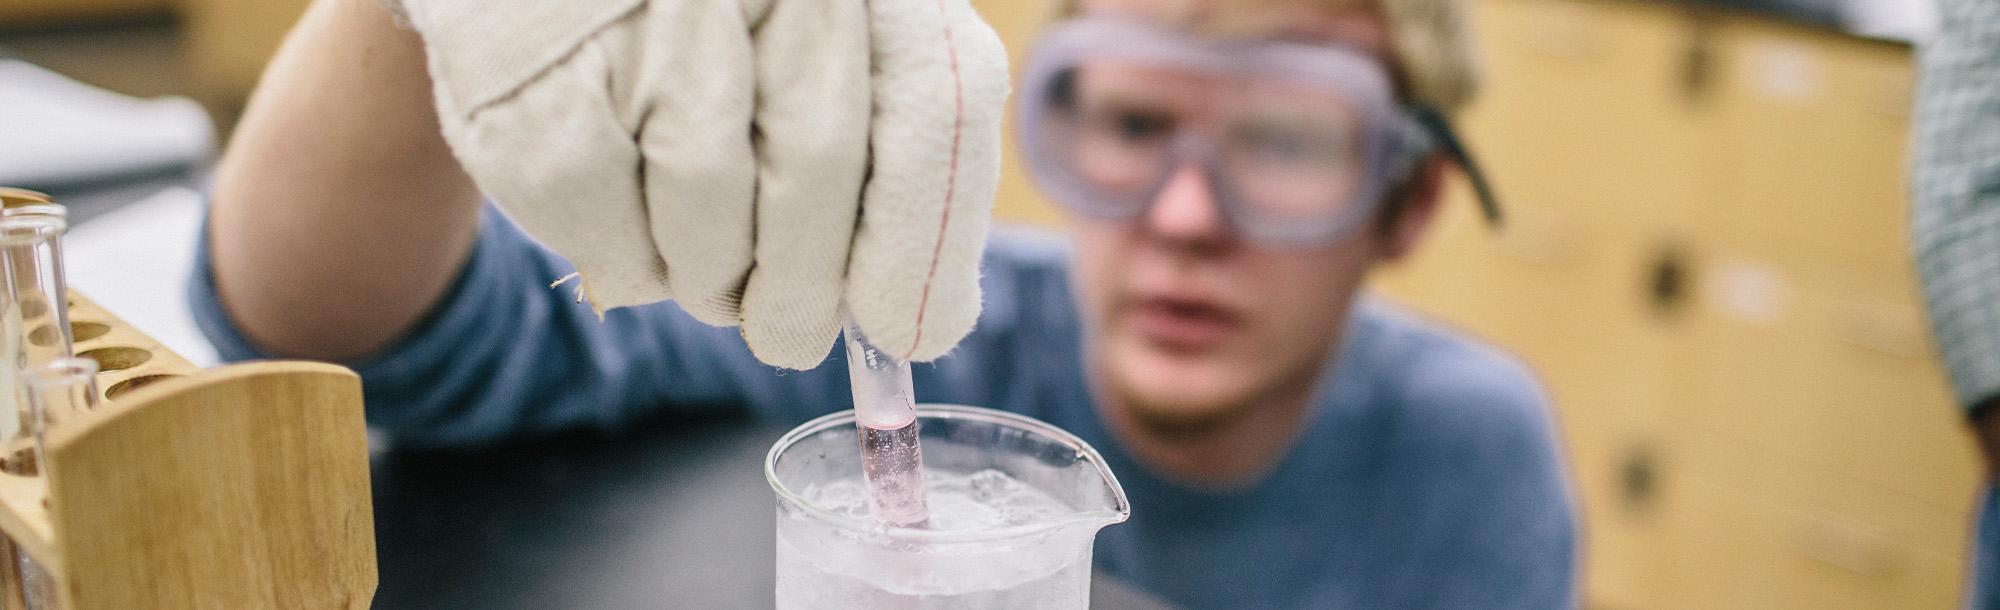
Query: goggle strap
x=1439, y=128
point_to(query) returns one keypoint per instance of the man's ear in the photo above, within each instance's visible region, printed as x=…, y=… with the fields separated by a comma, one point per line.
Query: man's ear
x=1425, y=191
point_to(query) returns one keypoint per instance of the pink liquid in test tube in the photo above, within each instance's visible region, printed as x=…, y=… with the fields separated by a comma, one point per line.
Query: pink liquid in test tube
x=885, y=410
x=893, y=466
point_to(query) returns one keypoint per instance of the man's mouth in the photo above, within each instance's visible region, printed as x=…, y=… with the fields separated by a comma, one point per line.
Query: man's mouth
x=1183, y=324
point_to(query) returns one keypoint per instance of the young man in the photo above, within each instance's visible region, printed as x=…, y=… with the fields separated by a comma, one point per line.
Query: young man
x=1234, y=169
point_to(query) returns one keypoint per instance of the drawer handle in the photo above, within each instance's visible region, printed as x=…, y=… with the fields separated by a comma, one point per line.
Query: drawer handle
x=1639, y=478
x=1667, y=281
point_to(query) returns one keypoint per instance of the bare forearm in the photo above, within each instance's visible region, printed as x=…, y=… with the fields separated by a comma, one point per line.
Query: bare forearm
x=339, y=215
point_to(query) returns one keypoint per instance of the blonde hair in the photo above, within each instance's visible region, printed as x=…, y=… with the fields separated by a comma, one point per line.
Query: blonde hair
x=1431, y=40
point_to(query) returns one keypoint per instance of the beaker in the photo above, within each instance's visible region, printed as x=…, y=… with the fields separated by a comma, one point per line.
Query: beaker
x=1015, y=505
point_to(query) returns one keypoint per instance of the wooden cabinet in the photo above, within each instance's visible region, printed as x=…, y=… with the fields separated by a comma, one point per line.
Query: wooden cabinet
x=1707, y=258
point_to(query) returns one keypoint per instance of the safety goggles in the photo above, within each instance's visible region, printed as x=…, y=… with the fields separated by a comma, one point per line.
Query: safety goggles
x=1300, y=144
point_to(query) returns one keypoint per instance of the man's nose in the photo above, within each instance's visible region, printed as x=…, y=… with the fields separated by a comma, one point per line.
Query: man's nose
x=1185, y=212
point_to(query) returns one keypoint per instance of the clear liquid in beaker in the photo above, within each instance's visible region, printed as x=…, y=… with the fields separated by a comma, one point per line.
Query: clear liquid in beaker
x=988, y=499
x=921, y=577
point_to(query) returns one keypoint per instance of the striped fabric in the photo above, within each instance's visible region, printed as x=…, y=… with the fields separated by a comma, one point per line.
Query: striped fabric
x=1956, y=198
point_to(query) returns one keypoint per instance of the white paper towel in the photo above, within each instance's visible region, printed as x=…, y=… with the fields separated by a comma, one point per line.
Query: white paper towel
x=56, y=131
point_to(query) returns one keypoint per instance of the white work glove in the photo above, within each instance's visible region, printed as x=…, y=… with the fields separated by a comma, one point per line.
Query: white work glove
x=715, y=152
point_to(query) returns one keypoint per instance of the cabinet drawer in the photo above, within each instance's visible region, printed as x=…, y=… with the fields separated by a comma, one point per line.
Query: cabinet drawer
x=1933, y=525
x=1586, y=108
x=1832, y=379
x=1732, y=549
x=1809, y=147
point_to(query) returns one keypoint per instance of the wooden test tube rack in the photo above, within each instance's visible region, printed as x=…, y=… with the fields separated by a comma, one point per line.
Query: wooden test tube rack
x=242, y=486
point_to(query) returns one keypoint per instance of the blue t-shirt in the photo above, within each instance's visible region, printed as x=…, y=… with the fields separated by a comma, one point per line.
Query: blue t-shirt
x=1429, y=477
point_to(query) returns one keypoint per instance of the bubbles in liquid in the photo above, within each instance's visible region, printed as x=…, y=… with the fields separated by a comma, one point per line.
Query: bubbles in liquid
x=892, y=464
x=983, y=500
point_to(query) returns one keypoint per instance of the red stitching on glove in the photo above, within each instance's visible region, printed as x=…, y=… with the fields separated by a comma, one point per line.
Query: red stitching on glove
x=951, y=186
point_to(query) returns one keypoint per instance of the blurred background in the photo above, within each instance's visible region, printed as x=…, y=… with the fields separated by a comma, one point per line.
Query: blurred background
x=1706, y=257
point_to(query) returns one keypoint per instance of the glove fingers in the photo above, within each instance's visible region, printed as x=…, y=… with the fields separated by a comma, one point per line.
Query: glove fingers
x=700, y=174
x=940, y=82
x=811, y=142
x=564, y=173
x=474, y=68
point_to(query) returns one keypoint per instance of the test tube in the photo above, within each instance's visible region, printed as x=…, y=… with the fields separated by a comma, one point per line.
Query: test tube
x=34, y=333
x=885, y=410
x=18, y=456
x=37, y=301
x=34, y=311
x=57, y=392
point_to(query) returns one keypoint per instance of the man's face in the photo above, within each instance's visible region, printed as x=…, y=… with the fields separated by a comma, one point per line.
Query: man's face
x=1192, y=324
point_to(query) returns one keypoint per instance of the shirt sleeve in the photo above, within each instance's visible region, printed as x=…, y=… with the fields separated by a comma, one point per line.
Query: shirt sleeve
x=505, y=355
x=1956, y=193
